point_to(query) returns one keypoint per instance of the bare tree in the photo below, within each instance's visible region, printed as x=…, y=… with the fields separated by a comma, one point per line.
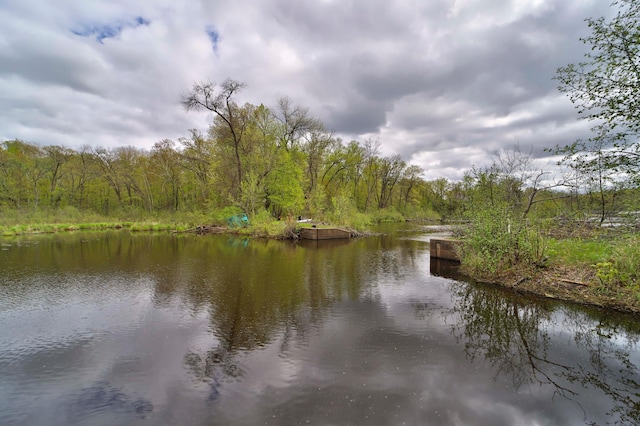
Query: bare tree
x=296, y=122
x=219, y=100
x=521, y=179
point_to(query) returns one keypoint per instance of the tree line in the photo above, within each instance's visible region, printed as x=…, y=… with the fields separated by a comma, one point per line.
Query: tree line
x=284, y=163
x=252, y=158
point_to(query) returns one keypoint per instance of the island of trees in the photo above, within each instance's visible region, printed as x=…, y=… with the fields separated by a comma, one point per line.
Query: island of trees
x=571, y=235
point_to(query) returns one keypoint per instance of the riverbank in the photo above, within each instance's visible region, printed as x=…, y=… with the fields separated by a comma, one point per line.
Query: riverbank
x=258, y=229
x=50, y=228
x=594, y=271
x=569, y=284
x=564, y=259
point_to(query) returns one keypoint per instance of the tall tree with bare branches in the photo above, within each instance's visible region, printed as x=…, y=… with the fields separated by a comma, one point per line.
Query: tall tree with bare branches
x=220, y=100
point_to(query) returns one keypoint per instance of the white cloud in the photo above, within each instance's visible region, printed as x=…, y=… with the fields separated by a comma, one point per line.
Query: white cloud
x=422, y=77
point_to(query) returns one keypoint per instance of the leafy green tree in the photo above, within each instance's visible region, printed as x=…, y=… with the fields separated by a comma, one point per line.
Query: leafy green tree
x=315, y=151
x=409, y=181
x=370, y=170
x=197, y=156
x=81, y=171
x=437, y=191
x=605, y=87
x=12, y=185
x=166, y=161
x=261, y=155
x=390, y=171
x=284, y=187
x=342, y=168
x=56, y=158
x=26, y=169
x=136, y=176
x=110, y=171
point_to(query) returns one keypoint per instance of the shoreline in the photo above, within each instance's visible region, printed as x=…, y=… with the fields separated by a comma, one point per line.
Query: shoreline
x=550, y=284
x=575, y=283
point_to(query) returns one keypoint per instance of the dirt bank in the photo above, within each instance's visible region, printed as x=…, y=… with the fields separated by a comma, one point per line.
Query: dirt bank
x=577, y=285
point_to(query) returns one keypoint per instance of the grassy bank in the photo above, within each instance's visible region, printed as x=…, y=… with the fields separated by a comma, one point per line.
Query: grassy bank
x=262, y=224
x=593, y=266
x=14, y=222
x=42, y=228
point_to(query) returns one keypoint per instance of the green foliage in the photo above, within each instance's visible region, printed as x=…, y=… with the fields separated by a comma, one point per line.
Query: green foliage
x=627, y=256
x=219, y=217
x=608, y=274
x=496, y=240
x=605, y=87
x=623, y=268
x=263, y=224
x=284, y=190
x=614, y=261
x=359, y=221
x=342, y=207
x=387, y=215
x=316, y=203
x=579, y=251
x=253, y=194
x=280, y=160
x=421, y=213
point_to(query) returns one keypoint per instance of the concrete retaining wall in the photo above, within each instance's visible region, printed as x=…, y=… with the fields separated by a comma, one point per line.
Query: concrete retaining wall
x=324, y=233
x=444, y=249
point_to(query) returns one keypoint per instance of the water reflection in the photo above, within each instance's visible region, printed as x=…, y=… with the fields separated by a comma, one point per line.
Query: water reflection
x=519, y=337
x=256, y=292
x=103, y=396
x=446, y=268
x=119, y=328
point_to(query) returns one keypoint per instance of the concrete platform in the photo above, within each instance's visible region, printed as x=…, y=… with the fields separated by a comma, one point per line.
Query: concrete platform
x=324, y=233
x=444, y=249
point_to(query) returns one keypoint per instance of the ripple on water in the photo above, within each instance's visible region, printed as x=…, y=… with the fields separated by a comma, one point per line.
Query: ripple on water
x=103, y=398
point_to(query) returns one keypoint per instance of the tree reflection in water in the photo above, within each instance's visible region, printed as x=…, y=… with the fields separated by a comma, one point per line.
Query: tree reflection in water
x=519, y=337
x=611, y=367
x=263, y=292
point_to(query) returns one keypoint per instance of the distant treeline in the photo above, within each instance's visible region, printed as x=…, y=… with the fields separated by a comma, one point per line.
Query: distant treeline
x=278, y=160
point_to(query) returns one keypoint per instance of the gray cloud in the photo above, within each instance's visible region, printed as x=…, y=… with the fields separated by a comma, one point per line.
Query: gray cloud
x=427, y=79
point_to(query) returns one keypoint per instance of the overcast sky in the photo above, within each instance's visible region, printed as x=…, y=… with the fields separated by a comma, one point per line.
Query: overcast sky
x=443, y=83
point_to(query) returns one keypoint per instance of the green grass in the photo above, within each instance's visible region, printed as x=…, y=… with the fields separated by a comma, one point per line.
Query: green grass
x=314, y=225
x=15, y=222
x=614, y=262
x=580, y=251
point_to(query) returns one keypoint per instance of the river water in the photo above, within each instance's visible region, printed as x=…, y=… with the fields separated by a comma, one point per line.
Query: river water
x=115, y=328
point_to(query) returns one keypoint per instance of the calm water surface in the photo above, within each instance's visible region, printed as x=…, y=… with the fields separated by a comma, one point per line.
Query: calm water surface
x=122, y=329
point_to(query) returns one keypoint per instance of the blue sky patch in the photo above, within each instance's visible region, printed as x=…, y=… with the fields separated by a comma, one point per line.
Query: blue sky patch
x=112, y=30
x=141, y=21
x=214, y=36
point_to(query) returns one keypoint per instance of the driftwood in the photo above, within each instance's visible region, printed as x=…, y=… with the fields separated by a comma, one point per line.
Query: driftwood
x=206, y=229
x=564, y=280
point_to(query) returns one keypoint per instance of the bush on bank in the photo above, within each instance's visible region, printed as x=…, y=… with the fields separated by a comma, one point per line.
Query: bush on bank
x=599, y=267
x=496, y=241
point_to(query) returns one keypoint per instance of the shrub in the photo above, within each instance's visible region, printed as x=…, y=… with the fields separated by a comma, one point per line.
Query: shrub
x=387, y=215
x=497, y=239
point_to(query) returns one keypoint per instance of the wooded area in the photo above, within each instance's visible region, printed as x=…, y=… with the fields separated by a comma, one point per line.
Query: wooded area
x=283, y=161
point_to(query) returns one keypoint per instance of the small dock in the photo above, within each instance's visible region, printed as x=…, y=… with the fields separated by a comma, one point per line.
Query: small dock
x=324, y=233
x=443, y=249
